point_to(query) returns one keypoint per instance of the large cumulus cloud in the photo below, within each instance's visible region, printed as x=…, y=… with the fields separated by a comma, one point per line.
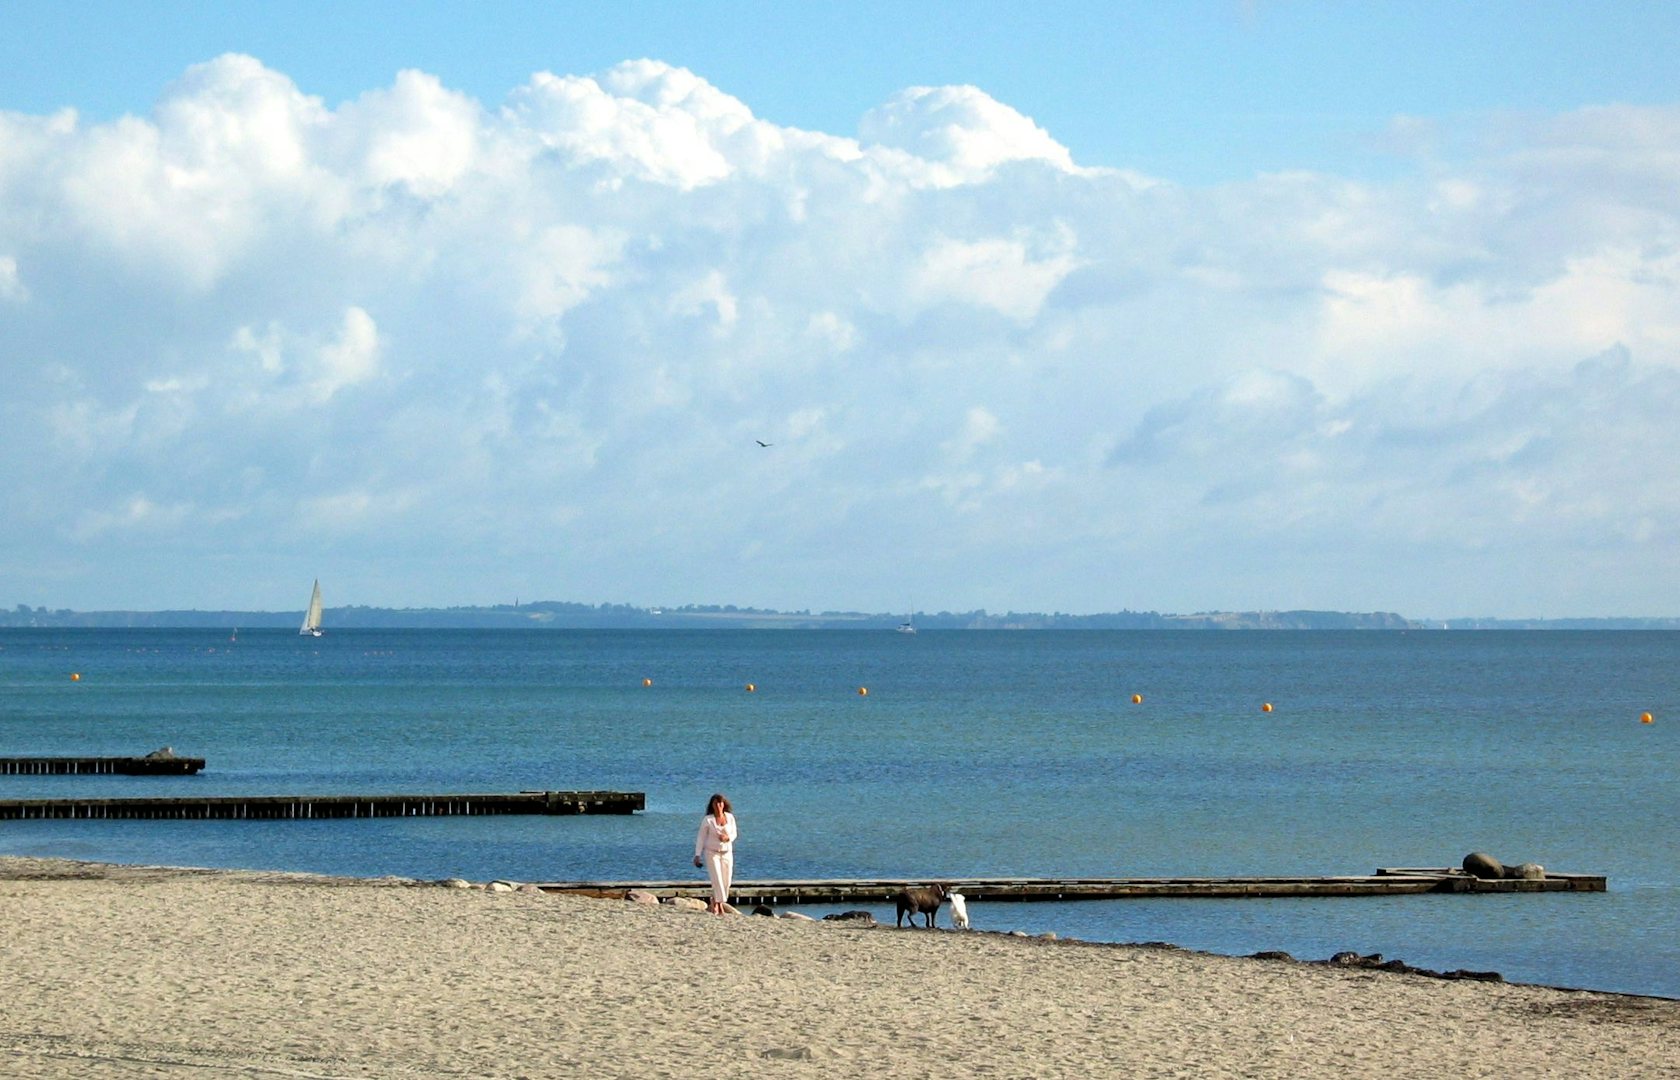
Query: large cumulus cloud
x=439, y=350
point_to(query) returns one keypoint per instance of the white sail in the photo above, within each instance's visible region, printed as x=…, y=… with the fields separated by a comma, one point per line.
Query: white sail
x=312, y=618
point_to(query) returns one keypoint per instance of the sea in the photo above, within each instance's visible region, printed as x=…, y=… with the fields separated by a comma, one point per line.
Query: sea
x=939, y=756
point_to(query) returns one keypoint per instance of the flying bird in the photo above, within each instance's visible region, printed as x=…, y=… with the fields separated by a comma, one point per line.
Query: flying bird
x=761, y=442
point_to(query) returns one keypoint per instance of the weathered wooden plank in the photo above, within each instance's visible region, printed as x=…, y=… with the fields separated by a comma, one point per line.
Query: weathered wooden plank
x=846, y=891
x=308, y=807
x=1454, y=879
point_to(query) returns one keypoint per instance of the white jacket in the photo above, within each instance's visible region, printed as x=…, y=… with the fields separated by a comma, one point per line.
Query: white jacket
x=715, y=838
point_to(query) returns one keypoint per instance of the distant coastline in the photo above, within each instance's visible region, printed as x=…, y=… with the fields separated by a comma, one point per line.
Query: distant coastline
x=565, y=615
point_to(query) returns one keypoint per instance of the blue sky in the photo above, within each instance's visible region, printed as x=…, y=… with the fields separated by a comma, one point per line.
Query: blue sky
x=1173, y=307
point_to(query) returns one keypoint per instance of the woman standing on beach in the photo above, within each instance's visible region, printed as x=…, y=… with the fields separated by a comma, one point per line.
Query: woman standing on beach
x=714, y=848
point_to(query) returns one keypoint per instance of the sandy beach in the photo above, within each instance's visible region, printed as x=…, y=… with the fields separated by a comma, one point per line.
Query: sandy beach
x=153, y=972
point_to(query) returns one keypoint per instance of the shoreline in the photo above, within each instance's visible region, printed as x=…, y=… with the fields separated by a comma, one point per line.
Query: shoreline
x=124, y=970
x=53, y=868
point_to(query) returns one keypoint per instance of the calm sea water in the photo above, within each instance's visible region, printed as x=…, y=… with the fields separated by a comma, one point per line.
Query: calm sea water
x=973, y=754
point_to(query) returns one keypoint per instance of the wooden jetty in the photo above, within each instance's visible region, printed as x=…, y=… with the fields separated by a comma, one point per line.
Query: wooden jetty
x=150, y=765
x=307, y=807
x=1385, y=882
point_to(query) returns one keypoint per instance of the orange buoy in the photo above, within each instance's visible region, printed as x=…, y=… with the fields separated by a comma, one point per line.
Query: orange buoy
x=752, y=687
x=75, y=676
x=647, y=682
x=1137, y=699
x=863, y=691
x=1267, y=707
x=1645, y=718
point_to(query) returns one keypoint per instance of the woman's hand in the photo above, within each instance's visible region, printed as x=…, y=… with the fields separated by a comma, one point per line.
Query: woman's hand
x=696, y=860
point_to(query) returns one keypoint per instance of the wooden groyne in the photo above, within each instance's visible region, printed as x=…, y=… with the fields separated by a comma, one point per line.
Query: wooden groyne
x=1385, y=882
x=307, y=807
x=151, y=765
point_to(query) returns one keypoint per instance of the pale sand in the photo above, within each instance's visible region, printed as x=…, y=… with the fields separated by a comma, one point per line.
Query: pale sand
x=131, y=972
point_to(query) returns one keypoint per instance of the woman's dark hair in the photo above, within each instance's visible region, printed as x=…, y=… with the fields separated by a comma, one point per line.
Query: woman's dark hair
x=712, y=803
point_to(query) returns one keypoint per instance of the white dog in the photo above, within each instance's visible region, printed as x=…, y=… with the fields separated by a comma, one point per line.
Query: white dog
x=959, y=911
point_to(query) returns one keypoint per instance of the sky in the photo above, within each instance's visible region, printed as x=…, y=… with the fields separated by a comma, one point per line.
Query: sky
x=1072, y=307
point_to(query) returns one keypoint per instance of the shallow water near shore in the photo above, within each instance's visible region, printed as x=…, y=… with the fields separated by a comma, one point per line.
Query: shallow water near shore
x=974, y=754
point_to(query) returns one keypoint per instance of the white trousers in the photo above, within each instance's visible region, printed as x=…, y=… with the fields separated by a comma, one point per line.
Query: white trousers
x=720, y=867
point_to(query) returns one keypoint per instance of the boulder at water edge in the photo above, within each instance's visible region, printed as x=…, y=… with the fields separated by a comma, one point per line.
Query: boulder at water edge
x=684, y=903
x=1482, y=865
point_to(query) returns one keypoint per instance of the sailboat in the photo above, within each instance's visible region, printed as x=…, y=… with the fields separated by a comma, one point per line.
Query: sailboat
x=312, y=618
x=908, y=626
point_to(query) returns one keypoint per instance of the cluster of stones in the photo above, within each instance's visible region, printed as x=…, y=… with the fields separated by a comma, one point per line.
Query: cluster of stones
x=491, y=886
x=1376, y=962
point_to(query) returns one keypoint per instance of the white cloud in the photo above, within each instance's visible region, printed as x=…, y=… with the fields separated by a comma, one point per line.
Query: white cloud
x=833, y=332
x=415, y=134
x=959, y=134
x=996, y=273
x=559, y=269
x=1419, y=484
x=527, y=346
x=351, y=512
x=351, y=358
x=135, y=515
x=308, y=369
x=980, y=426
x=11, y=284
x=644, y=120
x=82, y=427
x=225, y=158
x=1408, y=320
x=710, y=299
x=264, y=346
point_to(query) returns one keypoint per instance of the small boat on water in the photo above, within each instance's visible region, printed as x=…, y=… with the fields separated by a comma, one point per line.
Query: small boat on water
x=312, y=617
x=908, y=626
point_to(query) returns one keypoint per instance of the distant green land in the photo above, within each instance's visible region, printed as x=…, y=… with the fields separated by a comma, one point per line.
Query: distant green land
x=563, y=615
